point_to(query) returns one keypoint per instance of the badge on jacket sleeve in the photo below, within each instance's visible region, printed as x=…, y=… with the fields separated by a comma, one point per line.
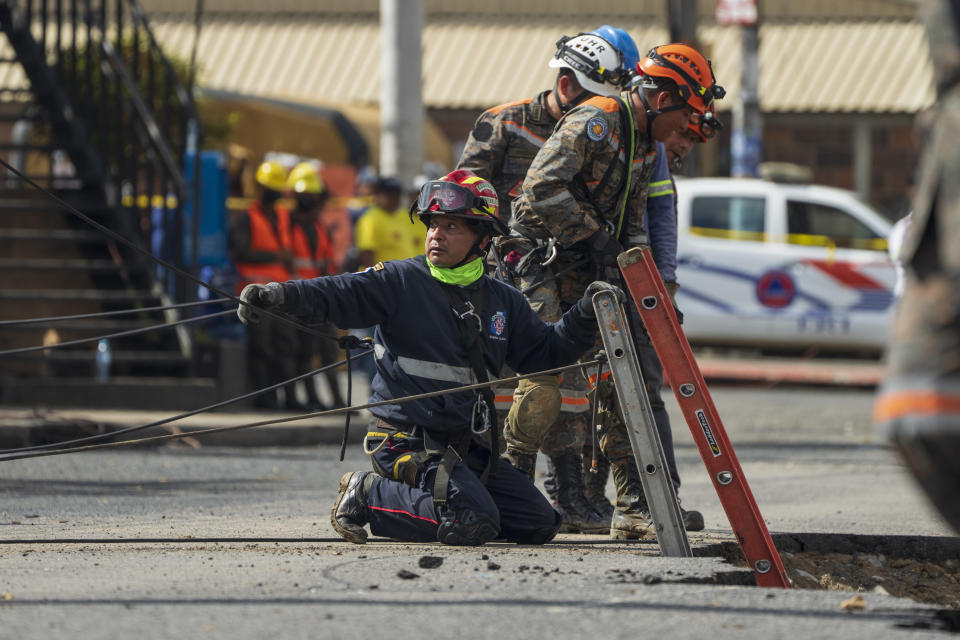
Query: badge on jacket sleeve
x=597, y=128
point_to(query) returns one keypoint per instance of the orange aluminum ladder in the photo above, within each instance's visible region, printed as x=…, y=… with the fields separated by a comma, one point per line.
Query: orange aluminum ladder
x=643, y=282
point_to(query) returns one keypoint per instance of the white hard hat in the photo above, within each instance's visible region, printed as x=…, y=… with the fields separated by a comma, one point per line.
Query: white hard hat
x=596, y=63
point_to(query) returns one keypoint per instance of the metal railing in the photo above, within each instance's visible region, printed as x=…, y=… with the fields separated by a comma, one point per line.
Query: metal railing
x=138, y=120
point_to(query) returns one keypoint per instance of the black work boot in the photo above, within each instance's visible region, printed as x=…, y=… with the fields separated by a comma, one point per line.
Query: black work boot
x=692, y=520
x=525, y=463
x=349, y=512
x=578, y=515
x=595, y=485
x=631, y=516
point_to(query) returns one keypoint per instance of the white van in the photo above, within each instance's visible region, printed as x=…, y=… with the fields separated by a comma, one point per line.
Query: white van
x=767, y=264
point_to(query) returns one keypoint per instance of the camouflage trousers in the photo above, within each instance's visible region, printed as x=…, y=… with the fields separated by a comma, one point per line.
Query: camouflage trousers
x=550, y=413
x=612, y=432
x=537, y=418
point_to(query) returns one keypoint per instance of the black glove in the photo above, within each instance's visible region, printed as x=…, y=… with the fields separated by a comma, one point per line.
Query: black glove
x=586, y=302
x=263, y=296
x=605, y=248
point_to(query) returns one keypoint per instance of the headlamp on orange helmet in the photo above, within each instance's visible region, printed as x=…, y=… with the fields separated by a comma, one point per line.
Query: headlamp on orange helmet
x=686, y=68
x=705, y=125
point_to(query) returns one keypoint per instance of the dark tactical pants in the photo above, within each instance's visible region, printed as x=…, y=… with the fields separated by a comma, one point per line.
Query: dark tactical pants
x=614, y=441
x=407, y=511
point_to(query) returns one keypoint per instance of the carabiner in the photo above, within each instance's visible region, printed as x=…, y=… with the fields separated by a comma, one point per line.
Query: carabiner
x=551, y=251
x=483, y=410
x=469, y=312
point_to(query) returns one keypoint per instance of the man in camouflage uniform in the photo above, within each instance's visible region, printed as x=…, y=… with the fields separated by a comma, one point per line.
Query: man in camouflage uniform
x=581, y=205
x=661, y=224
x=503, y=143
x=919, y=404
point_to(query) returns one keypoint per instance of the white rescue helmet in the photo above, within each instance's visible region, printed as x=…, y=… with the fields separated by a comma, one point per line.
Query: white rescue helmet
x=595, y=62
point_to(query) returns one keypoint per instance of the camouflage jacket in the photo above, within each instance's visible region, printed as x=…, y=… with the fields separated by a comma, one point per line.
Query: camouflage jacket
x=559, y=195
x=503, y=143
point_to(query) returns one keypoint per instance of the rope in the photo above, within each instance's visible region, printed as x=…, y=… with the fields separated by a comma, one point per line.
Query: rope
x=283, y=318
x=263, y=423
x=108, y=314
x=119, y=334
x=180, y=416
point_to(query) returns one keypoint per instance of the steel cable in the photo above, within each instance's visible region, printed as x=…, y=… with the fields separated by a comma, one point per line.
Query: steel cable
x=187, y=414
x=262, y=423
x=108, y=314
x=283, y=318
x=119, y=334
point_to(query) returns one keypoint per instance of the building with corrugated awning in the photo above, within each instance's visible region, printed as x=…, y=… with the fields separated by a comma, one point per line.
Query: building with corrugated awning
x=840, y=82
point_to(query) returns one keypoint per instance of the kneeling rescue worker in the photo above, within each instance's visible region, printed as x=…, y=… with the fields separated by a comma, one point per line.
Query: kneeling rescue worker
x=440, y=324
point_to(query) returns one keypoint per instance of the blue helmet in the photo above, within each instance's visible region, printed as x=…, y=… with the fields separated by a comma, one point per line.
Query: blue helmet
x=623, y=43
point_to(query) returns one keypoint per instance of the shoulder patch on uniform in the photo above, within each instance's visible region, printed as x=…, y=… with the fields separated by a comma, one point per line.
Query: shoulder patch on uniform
x=597, y=128
x=378, y=266
x=483, y=131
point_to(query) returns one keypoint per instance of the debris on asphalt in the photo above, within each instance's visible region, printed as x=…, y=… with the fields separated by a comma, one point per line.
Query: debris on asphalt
x=430, y=562
x=403, y=574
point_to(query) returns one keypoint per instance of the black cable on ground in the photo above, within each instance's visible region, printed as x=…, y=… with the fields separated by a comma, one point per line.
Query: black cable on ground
x=119, y=334
x=283, y=318
x=263, y=423
x=108, y=314
x=179, y=416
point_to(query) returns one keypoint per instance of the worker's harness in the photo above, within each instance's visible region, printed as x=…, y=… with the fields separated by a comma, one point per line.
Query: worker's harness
x=449, y=446
x=538, y=253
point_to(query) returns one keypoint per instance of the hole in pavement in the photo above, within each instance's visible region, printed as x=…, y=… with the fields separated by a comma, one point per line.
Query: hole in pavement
x=922, y=568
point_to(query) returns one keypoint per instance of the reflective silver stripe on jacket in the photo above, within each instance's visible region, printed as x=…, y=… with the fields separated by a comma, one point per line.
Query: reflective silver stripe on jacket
x=526, y=134
x=432, y=370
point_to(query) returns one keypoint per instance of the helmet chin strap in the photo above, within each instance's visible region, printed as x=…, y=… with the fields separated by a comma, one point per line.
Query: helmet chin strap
x=564, y=107
x=653, y=113
x=475, y=251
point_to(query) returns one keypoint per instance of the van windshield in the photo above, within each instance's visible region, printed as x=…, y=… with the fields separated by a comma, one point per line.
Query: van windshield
x=731, y=217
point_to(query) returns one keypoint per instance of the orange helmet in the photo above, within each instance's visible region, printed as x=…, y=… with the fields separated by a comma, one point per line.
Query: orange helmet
x=462, y=194
x=686, y=67
x=705, y=125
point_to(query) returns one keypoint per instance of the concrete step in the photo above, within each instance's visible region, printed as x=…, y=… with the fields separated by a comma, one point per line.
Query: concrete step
x=21, y=234
x=111, y=296
x=59, y=264
x=162, y=394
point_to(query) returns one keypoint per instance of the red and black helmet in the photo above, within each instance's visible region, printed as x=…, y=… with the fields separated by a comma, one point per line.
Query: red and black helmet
x=462, y=194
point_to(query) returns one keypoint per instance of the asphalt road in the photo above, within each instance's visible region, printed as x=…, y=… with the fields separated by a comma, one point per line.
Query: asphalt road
x=229, y=542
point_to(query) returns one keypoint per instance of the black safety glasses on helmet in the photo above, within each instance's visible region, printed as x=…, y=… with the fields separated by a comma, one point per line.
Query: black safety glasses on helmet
x=708, y=124
x=448, y=197
x=590, y=67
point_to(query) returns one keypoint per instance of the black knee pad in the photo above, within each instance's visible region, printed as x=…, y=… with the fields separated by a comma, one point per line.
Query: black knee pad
x=542, y=535
x=466, y=528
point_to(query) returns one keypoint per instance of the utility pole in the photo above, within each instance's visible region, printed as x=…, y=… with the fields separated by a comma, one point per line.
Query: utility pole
x=682, y=20
x=401, y=89
x=746, y=142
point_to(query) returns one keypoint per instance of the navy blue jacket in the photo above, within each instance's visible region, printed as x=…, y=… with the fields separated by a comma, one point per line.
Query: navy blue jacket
x=417, y=339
